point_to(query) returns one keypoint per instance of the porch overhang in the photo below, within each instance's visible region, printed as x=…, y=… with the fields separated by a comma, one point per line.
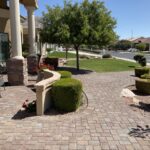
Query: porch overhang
x=4, y=13
x=30, y=3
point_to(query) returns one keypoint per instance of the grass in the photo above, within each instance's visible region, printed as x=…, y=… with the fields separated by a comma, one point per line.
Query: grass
x=61, y=55
x=104, y=65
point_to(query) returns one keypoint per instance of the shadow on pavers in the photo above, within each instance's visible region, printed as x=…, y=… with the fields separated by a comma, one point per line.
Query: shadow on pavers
x=32, y=87
x=142, y=106
x=74, y=71
x=22, y=114
x=28, y=110
x=136, y=92
x=140, y=132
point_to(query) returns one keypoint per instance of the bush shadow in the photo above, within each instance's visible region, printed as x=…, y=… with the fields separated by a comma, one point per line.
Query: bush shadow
x=140, y=132
x=142, y=106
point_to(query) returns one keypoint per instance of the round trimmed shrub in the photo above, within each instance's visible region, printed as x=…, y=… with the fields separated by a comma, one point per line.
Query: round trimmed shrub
x=66, y=94
x=137, y=57
x=143, y=85
x=65, y=74
x=107, y=56
x=139, y=71
x=142, y=61
x=145, y=76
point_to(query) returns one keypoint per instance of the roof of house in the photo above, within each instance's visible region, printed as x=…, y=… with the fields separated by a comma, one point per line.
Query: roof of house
x=140, y=40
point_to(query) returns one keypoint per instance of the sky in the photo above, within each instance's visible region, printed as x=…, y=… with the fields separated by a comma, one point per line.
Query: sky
x=133, y=16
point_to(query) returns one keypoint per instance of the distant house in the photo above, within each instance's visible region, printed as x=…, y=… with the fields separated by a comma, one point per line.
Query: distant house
x=140, y=40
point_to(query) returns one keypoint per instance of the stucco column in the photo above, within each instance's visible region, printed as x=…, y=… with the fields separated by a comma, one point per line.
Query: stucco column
x=31, y=30
x=15, y=29
x=32, y=59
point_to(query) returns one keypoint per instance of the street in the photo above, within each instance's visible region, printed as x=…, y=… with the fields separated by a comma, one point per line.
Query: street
x=127, y=55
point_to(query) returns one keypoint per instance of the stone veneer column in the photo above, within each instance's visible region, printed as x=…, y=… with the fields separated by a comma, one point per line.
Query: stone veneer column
x=17, y=71
x=16, y=66
x=32, y=58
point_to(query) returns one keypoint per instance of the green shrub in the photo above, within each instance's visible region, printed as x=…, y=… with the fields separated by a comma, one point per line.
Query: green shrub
x=143, y=85
x=66, y=94
x=145, y=76
x=107, y=56
x=139, y=71
x=49, y=49
x=65, y=74
x=142, y=61
x=137, y=57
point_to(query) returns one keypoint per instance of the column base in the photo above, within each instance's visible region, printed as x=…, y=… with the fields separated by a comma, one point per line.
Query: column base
x=32, y=62
x=17, y=71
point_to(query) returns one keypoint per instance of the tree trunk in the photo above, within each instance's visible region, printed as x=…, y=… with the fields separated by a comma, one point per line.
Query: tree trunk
x=77, y=58
x=41, y=48
x=66, y=53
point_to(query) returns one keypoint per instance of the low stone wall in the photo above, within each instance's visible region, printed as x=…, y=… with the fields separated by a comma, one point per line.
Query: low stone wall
x=43, y=90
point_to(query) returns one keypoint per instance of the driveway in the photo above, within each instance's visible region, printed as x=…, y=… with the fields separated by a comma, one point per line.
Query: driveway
x=107, y=122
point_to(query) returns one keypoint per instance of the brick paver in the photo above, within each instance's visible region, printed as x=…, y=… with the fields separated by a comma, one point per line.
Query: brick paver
x=104, y=124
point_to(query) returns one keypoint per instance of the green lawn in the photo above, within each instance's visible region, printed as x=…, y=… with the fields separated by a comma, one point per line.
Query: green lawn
x=104, y=65
x=61, y=55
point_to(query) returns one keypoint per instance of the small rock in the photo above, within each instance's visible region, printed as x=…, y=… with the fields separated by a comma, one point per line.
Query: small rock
x=127, y=93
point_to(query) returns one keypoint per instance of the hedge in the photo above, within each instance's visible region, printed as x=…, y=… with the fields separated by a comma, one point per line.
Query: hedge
x=66, y=94
x=139, y=71
x=65, y=74
x=145, y=76
x=143, y=85
x=137, y=57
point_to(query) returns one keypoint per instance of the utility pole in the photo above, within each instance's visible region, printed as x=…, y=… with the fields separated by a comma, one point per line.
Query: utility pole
x=131, y=38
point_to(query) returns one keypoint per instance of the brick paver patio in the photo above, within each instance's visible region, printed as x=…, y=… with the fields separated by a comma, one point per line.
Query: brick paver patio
x=105, y=124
